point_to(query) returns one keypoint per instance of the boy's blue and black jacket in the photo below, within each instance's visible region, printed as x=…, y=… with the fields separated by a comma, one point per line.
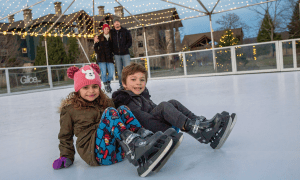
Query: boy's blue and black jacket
x=141, y=106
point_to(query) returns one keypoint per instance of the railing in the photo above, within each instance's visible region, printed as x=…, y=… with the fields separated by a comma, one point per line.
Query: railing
x=275, y=56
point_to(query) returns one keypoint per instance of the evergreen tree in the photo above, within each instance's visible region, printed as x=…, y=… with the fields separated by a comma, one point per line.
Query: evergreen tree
x=266, y=31
x=73, y=51
x=228, y=39
x=41, y=54
x=56, y=51
x=294, y=25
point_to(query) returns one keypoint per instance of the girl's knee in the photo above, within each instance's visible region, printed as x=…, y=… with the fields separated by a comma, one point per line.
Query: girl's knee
x=123, y=107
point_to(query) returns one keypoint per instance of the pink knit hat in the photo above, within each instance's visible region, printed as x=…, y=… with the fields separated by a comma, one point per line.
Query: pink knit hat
x=86, y=75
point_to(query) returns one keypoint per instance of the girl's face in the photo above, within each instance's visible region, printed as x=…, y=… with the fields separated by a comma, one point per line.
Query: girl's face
x=90, y=92
x=106, y=30
x=135, y=83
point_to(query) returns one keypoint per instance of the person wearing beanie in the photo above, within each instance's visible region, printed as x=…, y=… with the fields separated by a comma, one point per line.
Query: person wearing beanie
x=122, y=41
x=105, y=135
x=103, y=48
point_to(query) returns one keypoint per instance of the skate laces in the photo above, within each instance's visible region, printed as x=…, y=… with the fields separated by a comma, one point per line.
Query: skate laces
x=127, y=141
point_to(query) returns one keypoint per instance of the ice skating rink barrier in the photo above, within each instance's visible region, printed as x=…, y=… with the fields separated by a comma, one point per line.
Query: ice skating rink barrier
x=275, y=56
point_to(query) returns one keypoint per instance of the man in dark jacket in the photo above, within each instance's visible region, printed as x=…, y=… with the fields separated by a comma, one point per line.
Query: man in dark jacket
x=122, y=41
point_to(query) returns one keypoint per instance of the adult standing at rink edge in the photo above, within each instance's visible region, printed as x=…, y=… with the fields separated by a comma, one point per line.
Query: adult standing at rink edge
x=122, y=41
x=103, y=48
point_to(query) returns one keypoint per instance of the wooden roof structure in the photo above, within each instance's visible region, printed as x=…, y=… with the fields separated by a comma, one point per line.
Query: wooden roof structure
x=194, y=41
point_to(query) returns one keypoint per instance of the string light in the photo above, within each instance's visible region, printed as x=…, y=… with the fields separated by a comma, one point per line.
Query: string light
x=47, y=6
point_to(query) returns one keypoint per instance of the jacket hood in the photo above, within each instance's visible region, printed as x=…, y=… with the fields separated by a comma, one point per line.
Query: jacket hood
x=65, y=102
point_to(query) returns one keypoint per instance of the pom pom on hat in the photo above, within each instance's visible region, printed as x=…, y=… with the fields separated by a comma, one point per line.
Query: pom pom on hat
x=95, y=67
x=105, y=25
x=71, y=71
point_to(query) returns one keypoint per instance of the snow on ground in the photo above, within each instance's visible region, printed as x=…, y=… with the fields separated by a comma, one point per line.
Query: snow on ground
x=263, y=145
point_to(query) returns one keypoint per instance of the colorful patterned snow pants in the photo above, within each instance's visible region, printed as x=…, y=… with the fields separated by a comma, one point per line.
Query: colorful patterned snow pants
x=113, y=123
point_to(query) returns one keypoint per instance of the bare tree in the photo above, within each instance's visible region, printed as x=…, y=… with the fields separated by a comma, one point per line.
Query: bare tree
x=277, y=12
x=10, y=51
x=231, y=21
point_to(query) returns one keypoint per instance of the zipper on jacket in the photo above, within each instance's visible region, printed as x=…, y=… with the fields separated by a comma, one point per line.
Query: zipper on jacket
x=118, y=42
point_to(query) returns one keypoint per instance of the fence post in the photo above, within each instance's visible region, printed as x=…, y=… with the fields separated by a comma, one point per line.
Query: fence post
x=294, y=53
x=184, y=63
x=279, y=58
x=148, y=64
x=50, y=77
x=7, y=81
x=233, y=59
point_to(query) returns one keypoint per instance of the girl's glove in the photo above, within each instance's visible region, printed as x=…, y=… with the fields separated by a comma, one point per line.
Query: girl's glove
x=61, y=163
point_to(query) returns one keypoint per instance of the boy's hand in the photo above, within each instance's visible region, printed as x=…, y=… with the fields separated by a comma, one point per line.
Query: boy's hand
x=62, y=162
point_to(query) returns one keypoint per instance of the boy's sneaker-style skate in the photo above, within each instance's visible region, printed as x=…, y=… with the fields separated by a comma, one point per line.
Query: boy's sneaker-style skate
x=145, y=153
x=176, y=137
x=213, y=131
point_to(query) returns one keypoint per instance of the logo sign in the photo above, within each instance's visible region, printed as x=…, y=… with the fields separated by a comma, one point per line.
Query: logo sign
x=29, y=80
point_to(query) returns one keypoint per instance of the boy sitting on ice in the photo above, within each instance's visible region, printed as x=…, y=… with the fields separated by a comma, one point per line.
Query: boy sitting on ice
x=160, y=117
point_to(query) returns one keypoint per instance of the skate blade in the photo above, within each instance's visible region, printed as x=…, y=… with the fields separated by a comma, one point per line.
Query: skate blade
x=231, y=127
x=169, y=154
x=152, y=166
x=225, y=135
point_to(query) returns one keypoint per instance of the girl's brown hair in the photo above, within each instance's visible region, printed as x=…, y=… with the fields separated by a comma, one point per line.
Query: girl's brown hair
x=133, y=68
x=79, y=103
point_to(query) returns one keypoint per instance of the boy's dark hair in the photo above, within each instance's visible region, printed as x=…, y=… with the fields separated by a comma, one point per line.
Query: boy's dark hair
x=133, y=68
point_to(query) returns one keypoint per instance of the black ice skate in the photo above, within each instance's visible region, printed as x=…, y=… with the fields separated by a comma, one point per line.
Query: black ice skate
x=107, y=87
x=213, y=131
x=234, y=119
x=145, y=153
x=176, y=137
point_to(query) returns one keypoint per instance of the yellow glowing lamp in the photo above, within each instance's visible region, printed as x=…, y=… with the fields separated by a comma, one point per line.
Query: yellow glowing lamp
x=34, y=68
x=4, y=32
x=36, y=34
x=68, y=35
x=49, y=34
x=31, y=34
x=25, y=33
x=55, y=35
x=61, y=35
x=73, y=35
x=79, y=35
x=84, y=36
x=13, y=33
x=44, y=34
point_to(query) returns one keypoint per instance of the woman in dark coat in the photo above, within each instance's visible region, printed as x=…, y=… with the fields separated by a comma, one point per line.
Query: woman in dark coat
x=103, y=48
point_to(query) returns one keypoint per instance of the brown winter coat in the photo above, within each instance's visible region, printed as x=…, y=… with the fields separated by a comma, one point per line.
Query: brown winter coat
x=83, y=124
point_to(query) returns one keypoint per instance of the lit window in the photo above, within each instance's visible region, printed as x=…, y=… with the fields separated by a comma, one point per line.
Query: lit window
x=24, y=50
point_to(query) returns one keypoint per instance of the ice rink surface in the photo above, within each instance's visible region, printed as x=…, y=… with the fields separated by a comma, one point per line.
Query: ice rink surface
x=264, y=143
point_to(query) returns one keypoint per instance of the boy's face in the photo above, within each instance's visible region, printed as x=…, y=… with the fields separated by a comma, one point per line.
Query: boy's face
x=90, y=92
x=135, y=83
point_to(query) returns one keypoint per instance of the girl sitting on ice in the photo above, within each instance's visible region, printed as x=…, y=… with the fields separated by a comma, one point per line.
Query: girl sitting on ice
x=105, y=135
